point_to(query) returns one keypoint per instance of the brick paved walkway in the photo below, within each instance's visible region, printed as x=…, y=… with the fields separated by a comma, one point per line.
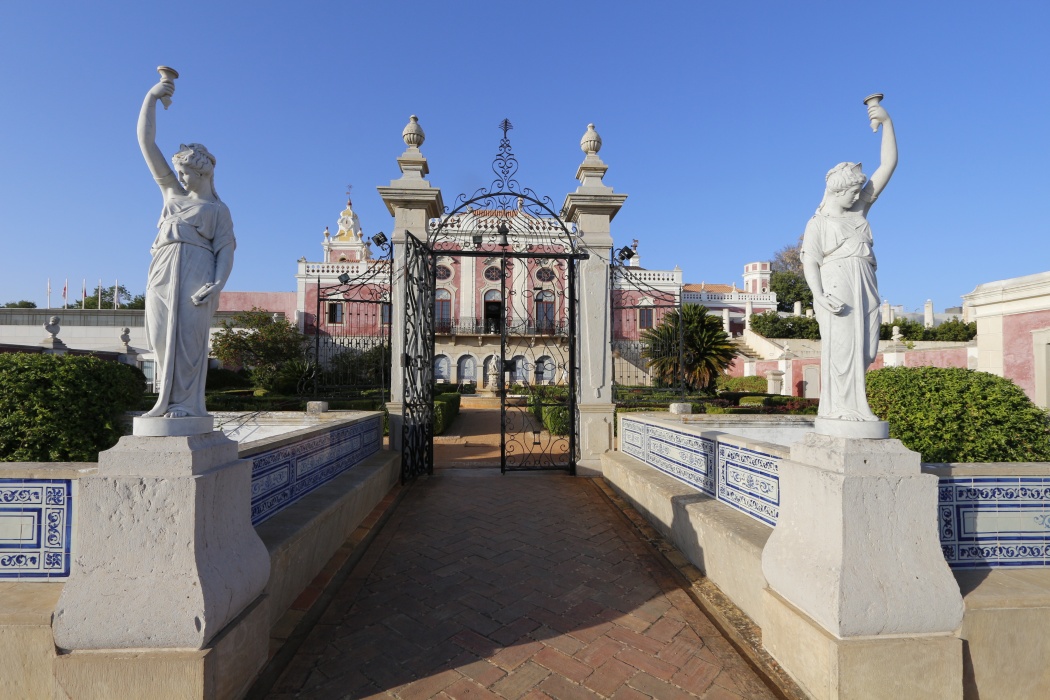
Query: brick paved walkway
x=523, y=586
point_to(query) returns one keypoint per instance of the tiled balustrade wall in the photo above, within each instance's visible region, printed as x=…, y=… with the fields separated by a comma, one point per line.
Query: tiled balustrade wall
x=988, y=514
x=38, y=514
x=36, y=528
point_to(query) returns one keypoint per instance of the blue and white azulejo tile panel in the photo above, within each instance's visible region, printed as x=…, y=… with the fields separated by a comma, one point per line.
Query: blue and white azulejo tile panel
x=994, y=521
x=749, y=480
x=285, y=474
x=685, y=456
x=36, y=528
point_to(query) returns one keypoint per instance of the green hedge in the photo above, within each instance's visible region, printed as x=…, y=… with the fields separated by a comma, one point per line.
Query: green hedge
x=219, y=378
x=56, y=408
x=758, y=384
x=446, y=408
x=950, y=414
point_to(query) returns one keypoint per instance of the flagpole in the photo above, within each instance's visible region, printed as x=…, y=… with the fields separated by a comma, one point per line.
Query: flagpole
x=99, y=294
x=83, y=294
x=48, y=292
x=116, y=293
x=65, y=294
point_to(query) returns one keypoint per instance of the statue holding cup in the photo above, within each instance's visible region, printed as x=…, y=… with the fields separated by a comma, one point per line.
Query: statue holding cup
x=192, y=257
x=839, y=265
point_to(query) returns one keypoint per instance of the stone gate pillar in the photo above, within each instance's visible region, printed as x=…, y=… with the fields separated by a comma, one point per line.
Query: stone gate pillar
x=592, y=207
x=412, y=202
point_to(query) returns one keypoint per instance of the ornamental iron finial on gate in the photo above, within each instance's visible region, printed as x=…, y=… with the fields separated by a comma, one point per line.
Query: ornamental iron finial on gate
x=506, y=164
x=530, y=219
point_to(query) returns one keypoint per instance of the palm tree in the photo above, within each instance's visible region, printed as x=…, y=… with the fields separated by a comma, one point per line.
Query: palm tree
x=705, y=351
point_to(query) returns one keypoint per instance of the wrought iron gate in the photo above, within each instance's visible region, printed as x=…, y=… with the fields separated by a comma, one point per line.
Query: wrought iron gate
x=511, y=251
x=351, y=329
x=417, y=363
x=645, y=355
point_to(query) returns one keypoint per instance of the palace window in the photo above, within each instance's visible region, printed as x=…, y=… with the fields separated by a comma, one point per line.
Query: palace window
x=443, y=272
x=493, y=274
x=645, y=318
x=442, y=310
x=545, y=274
x=545, y=312
x=335, y=312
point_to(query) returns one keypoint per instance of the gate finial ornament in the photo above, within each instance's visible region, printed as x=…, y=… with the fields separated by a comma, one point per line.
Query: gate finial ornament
x=591, y=142
x=413, y=133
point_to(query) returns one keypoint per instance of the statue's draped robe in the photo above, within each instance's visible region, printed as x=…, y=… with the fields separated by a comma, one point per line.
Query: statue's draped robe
x=842, y=247
x=191, y=233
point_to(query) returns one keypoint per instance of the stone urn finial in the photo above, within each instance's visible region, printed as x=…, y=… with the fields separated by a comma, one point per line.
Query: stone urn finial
x=591, y=142
x=413, y=133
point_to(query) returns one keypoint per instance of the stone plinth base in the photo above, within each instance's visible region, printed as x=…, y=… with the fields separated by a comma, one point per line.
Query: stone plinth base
x=861, y=668
x=856, y=545
x=596, y=437
x=681, y=408
x=142, y=426
x=860, y=430
x=224, y=670
x=163, y=561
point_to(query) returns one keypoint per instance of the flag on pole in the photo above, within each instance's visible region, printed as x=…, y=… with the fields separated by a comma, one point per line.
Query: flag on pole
x=83, y=295
x=116, y=293
x=65, y=293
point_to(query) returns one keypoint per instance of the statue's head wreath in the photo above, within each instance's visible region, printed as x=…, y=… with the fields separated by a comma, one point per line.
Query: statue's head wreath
x=198, y=158
x=843, y=176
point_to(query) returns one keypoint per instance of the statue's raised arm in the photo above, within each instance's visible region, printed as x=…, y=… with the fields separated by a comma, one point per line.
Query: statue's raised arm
x=877, y=114
x=147, y=128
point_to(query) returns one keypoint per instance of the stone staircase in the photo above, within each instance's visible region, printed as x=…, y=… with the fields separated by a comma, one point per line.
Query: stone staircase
x=745, y=350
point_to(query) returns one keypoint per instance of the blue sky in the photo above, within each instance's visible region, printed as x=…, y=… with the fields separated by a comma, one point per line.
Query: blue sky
x=719, y=120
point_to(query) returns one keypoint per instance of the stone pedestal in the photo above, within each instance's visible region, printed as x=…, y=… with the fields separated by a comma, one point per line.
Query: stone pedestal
x=927, y=666
x=167, y=554
x=596, y=437
x=855, y=557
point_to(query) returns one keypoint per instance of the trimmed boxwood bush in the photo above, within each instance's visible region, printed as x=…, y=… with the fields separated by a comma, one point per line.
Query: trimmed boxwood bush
x=219, y=378
x=949, y=414
x=749, y=384
x=446, y=408
x=56, y=408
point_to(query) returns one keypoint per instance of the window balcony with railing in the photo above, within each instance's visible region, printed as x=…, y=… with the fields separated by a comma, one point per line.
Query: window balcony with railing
x=491, y=326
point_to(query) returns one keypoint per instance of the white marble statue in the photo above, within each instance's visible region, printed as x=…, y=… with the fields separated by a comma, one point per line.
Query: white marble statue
x=839, y=266
x=192, y=260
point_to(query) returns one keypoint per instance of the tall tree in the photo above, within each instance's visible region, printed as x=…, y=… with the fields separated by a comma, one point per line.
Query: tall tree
x=259, y=343
x=706, y=350
x=124, y=298
x=20, y=304
x=788, y=258
x=789, y=288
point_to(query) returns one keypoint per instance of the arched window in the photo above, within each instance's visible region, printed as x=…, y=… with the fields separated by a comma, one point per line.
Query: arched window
x=545, y=368
x=467, y=369
x=493, y=307
x=442, y=368
x=520, y=373
x=545, y=312
x=442, y=311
